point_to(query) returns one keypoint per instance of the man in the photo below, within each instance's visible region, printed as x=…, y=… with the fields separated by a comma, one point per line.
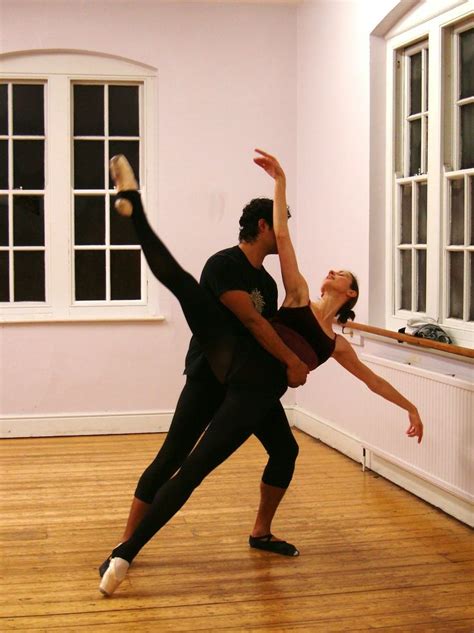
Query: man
x=248, y=296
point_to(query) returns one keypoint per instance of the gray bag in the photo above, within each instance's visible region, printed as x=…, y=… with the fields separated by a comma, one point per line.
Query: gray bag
x=426, y=327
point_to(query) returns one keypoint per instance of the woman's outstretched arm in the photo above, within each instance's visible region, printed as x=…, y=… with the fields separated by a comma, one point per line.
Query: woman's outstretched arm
x=345, y=356
x=297, y=292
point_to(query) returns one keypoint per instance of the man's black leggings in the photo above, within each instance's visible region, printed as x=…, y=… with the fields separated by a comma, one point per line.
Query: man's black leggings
x=255, y=381
x=199, y=401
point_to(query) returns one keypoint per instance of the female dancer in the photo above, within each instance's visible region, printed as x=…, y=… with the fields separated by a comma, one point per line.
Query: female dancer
x=255, y=379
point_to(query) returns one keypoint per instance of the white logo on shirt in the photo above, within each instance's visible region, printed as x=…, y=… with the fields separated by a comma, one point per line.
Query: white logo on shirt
x=257, y=300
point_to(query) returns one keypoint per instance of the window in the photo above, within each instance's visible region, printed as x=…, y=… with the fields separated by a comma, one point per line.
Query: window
x=459, y=179
x=430, y=173
x=22, y=181
x=411, y=180
x=64, y=252
x=107, y=262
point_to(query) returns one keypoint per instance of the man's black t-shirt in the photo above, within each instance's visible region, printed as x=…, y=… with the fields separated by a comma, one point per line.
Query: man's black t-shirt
x=231, y=270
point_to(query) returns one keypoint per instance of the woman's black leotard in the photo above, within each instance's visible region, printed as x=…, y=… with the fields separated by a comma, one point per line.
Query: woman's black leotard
x=300, y=330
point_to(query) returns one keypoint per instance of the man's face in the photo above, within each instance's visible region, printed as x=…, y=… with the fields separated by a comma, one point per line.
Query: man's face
x=266, y=236
x=272, y=242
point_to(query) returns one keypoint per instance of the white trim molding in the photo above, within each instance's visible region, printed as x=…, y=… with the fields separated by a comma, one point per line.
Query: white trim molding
x=93, y=424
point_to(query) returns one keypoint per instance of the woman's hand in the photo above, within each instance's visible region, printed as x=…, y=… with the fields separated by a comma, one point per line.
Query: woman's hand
x=416, y=426
x=270, y=164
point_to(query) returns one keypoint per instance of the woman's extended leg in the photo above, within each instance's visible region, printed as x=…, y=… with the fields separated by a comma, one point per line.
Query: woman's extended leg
x=197, y=404
x=203, y=315
x=235, y=421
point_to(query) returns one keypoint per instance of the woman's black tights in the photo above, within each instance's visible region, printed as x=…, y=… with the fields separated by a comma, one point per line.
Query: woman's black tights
x=203, y=315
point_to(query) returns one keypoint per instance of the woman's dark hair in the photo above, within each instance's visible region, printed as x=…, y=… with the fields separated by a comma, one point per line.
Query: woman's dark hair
x=258, y=208
x=345, y=311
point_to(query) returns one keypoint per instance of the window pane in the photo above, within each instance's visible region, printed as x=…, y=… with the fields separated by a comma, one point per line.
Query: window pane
x=421, y=276
x=3, y=164
x=424, y=168
x=88, y=110
x=4, y=277
x=122, y=230
x=471, y=293
x=28, y=269
x=427, y=70
x=3, y=109
x=456, y=228
x=471, y=180
x=406, y=215
x=125, y=274
x=456, y=285
x=130, y=150
x=89, y=220
x=422, y=213
x=467, y=136
x=89, y=165
x=467, y=63
x=405, y=265
x=28, y=109
x=90, y=275
x=28, y=164
x=3, y=220
x=123, y=111
x=415, y=83
x=28, y=221
x=415, y=147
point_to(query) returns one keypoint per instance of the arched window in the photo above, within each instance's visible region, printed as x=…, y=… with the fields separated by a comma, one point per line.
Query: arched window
x=430, y=169
x=64, y=253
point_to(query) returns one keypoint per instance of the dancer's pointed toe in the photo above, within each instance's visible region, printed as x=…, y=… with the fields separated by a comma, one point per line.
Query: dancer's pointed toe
x=124, y=180
x=114, y=575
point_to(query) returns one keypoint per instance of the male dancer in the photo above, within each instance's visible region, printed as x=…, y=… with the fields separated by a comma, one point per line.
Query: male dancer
x=248, y=297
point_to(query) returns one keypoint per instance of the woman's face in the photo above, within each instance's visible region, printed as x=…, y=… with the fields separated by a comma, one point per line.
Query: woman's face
x=338, y=281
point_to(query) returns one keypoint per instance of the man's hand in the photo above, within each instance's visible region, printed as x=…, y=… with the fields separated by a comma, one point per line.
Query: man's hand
x=296, y=373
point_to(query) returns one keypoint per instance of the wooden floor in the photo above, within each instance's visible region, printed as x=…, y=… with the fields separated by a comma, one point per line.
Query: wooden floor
x=372, y=555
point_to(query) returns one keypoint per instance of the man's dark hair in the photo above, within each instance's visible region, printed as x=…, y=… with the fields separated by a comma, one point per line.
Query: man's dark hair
x=258, y=208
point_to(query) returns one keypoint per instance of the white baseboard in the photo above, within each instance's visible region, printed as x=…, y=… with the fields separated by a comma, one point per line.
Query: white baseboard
x=112, y=424
x=349, y=445
x=98, y=424
x=328, y=434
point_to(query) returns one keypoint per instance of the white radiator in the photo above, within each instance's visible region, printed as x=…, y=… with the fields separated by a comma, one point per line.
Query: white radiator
x=446, y=405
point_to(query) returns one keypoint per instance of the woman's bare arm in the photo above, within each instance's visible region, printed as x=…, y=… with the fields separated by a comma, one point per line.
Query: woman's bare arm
x=345, y=356
x=295, y=284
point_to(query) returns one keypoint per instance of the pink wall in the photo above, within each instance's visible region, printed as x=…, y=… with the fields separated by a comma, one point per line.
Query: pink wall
x=226, y=83
x=333, y=88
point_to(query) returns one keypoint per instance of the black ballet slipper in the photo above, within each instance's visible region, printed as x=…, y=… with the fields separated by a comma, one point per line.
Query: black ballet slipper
x=276, y=547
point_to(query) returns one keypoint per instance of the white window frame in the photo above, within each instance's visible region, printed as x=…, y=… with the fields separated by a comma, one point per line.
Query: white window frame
x=59, y=70
x=433, y=28
x=452, y=171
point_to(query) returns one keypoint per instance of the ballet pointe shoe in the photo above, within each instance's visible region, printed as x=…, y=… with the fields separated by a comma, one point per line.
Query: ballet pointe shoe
x=115, y=574
x=124, y=180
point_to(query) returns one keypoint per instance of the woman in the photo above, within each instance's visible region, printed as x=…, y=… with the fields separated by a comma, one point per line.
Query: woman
x=255, y=380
